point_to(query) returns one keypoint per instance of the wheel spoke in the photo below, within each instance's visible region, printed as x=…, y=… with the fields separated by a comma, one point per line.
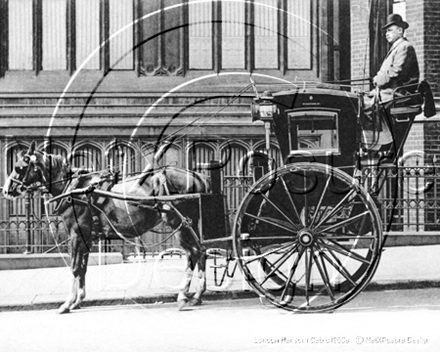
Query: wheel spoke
x=335, y=236
x=290, y=199
x=289, y=284
x=267, y=238
x=308, y=271
x=324, y=273
x=315, y=250
x=335, y=209
x=279, y=211
x=273, y=222
x=321, y=214
x=259, y=256
x=277, y=264
x=341, y=250
x=336, y=263
x=318, y=206
x=343, y=223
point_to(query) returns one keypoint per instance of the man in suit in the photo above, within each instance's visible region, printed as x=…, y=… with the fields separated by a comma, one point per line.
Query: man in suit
x=399, y=68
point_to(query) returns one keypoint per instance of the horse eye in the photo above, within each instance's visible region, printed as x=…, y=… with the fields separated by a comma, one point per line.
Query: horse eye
x=19, y=170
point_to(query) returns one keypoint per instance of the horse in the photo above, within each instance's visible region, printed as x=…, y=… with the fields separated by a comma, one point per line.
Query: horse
x=86, y=214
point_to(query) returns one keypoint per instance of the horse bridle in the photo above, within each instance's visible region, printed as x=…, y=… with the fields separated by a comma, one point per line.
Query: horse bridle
x=28, y=161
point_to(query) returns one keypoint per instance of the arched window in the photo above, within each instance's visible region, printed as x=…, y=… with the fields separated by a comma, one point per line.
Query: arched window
x=17, y=207
x=199, y=156
x=54, y=30
x=55, y=149
x=265, y=34
x=166, y=155
x=171, y=156
x=274, y=153
x=233, y=35
x=87, y=33
x=200, y=44
x=20, y=35
x=52, y=149
x=121, y=45
x=87, y=156
x=12, y=156
x=121, y=158
x=234, y=175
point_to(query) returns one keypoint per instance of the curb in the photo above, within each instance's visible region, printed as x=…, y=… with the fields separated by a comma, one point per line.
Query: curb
x=212, y=296
x=402, y=285
x=159, y=299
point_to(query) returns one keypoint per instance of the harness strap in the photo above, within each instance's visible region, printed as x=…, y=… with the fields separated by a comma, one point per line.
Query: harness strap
x=187, y=222
x=131, y=242
x=94, y=209
x=70, y=184
x=96, y=222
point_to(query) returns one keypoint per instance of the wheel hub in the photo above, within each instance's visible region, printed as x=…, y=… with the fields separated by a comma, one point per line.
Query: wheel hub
x=306, y=237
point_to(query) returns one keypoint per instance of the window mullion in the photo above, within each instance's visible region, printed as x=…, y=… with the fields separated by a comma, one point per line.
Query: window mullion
x=217, y=36
x=282, y=37
x=250, y=36
x=104, y=35
x=137, y=10
x=71, y=37
x=4, y=33
x=37, y=23
x=183, y=33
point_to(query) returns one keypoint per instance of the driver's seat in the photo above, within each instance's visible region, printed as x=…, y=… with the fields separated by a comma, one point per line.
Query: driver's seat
x=403, y=109
x=398, y=116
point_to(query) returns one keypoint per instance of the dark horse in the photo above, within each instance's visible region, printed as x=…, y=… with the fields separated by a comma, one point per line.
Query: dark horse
x=84, y=214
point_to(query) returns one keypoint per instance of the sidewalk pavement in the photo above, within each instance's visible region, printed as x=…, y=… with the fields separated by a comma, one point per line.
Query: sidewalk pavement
x=155, y=281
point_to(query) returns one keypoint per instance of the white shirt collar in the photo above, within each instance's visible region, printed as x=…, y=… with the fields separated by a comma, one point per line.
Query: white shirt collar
x=397, y=42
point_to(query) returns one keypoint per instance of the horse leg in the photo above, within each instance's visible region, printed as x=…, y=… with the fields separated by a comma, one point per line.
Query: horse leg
x=78, y=266
x=182, y=298
x=81, y=289
x=65, y=307
x=201, y=285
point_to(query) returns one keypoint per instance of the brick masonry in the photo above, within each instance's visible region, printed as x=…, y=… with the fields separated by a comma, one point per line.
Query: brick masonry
x=359, y=39
x=423, y=17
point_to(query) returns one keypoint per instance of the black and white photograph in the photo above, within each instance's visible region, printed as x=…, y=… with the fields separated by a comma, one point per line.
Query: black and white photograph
x=219, y=175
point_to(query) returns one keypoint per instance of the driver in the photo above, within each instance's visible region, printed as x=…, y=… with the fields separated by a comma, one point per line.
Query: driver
x=399, y=68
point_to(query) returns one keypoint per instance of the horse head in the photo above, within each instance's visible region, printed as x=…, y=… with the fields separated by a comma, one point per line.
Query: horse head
x=28, y=170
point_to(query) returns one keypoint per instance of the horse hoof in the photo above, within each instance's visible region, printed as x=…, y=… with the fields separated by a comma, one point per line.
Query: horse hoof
x=75, y=307
x=182, y=304
x=63, y=310
x=195, y=302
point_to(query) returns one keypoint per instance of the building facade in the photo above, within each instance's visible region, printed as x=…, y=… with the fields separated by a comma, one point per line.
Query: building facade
x=107, y=81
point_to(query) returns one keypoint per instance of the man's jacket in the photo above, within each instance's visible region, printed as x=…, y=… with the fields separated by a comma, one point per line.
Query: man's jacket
x=400, y=67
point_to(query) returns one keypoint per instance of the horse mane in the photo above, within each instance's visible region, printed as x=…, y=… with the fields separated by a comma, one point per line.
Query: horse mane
x=54, y=162
x=57, y=161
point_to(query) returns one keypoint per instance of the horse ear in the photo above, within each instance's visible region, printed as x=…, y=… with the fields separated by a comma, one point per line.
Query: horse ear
x=31, y=148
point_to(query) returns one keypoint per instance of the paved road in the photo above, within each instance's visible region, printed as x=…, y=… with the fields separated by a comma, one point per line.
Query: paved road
x=403, y=320
x=151, y=280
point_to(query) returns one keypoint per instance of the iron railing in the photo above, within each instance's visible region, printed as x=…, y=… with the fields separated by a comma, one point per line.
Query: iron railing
x=408, y=199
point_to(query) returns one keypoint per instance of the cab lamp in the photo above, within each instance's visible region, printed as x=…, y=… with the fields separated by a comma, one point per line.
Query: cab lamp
x=263, y=108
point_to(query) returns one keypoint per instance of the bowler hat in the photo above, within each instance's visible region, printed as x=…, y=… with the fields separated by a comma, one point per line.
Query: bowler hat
x=395, y=19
